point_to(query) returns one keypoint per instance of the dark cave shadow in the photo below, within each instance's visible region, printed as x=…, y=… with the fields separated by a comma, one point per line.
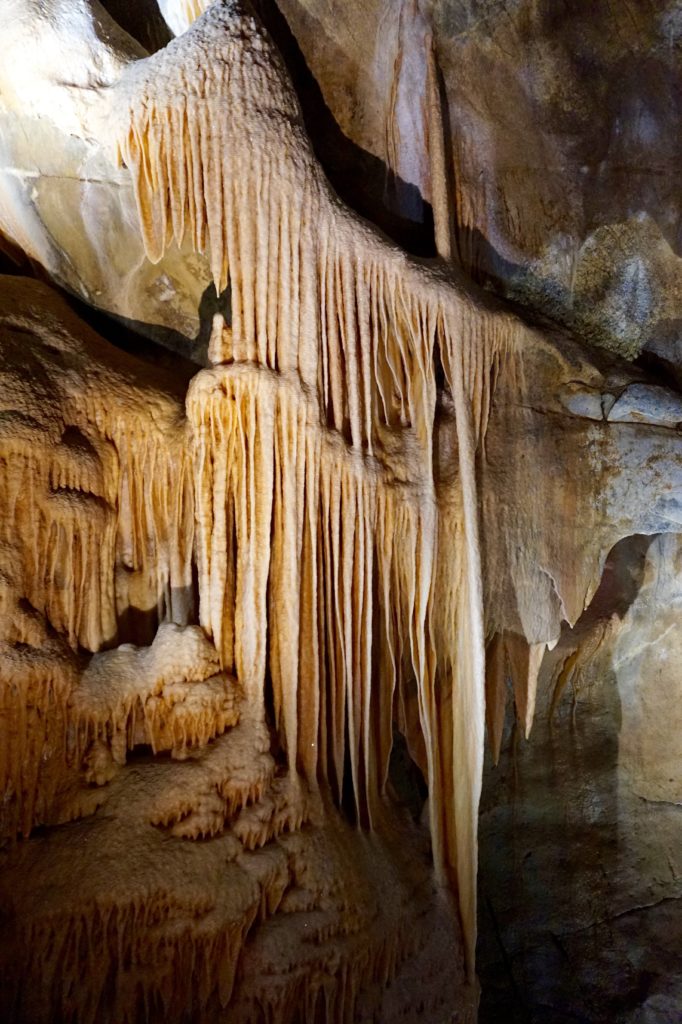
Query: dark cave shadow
x=408, y=786
x=474, y=253
x=135, y=626
x=211, y=303
x=484, y=264
x=142, y=20
x=655, y=358
x=139, y=625
x=621, y=580
x=533, y=837
x=170, y=350
x=370, y=188
x=132, y=336
x=533, y=871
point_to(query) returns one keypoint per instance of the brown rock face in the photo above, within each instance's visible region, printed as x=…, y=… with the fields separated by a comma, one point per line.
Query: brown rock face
x=561, y=137
x=263, y=591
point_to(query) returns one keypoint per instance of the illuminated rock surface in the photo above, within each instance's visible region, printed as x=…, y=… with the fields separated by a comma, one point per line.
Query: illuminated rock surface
x=257, y=602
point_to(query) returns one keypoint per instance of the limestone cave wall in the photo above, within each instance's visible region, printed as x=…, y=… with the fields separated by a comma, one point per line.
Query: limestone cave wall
x=339, y=511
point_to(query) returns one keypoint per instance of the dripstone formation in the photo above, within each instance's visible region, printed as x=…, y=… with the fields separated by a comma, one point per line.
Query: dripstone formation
x=263, y=588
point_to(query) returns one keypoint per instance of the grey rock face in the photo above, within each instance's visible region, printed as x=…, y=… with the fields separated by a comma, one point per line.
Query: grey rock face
x=646, y=403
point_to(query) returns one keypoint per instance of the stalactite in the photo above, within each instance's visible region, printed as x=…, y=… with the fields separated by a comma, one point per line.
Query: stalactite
x=97, y=498
x=440, y=190
x=588, y=642
x=293, y=459
x=510, y=656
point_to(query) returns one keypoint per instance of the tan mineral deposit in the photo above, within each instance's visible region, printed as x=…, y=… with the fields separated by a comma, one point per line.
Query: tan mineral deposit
x=340, y=486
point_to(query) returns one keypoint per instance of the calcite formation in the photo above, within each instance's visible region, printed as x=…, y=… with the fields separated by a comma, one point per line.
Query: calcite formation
x=224, y=600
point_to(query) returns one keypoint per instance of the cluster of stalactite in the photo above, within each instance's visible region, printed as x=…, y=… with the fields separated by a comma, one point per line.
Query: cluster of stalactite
x=95, y=497
x=96, y=528
x=334, y=556
x=320, y=493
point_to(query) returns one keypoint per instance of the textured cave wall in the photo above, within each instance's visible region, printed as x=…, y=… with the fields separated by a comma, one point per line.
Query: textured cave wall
x=563, y=143
x=561, y=152
x=382, y=400
x=563, y=135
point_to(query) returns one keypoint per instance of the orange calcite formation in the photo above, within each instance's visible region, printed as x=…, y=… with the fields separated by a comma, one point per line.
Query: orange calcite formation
x=86, y=731
x=217, y=603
